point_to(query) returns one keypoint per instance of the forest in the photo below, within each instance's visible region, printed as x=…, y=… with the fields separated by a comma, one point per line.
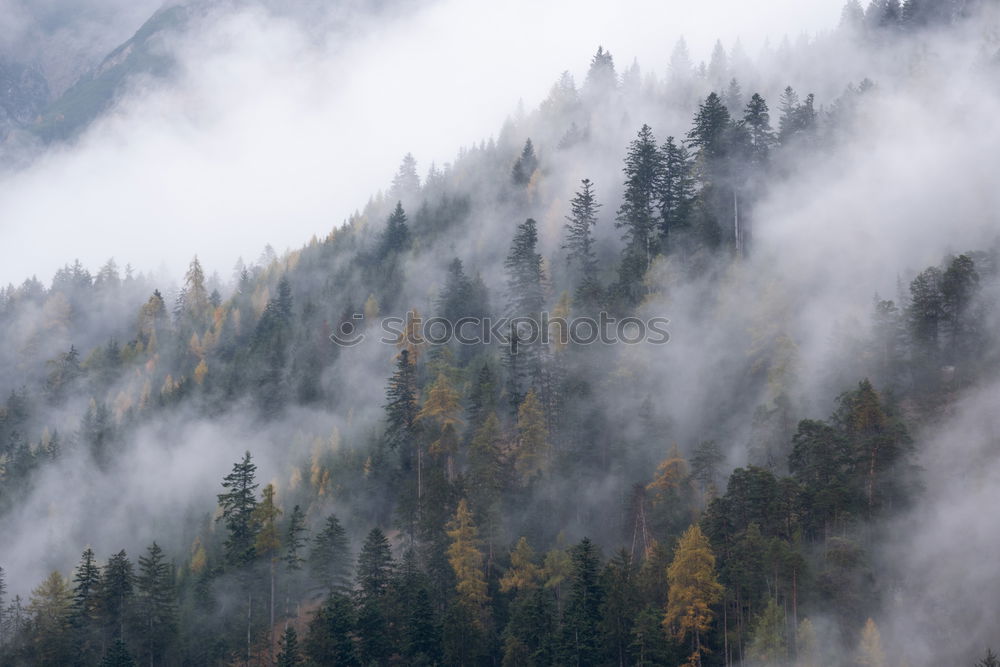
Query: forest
x=198, y=473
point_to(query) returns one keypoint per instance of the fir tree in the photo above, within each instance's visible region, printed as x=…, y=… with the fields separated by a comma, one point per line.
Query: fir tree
x=638, y=214
x=330, y=557
x=238, y=504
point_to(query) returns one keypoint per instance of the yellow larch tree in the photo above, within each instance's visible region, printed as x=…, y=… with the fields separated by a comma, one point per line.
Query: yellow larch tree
x=466, y=561
x=692, y=589
x=870, y=653
x=523, y=574
x=532, y=438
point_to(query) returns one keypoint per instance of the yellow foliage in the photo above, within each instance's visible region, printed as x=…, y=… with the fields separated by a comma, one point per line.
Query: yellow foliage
x=199, y=559
x=532, y=440
x=200, y=371
x=870, y=653
x=523, y=574
x=693, y=589
x=671, y=476
x=466, y=560
x=371, y=308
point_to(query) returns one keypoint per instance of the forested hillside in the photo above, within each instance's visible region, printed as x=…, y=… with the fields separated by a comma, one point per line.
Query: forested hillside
x=793, y=464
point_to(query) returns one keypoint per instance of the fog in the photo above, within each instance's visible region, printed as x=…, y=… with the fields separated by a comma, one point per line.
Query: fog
x=266, y=136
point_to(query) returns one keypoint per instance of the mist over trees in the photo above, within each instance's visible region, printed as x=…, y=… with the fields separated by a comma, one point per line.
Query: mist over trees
x=198, y=474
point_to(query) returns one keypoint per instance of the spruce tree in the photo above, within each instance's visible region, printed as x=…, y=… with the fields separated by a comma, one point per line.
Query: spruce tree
x=579, y=243
x=676, y=192
x=156, y=610
x=638, y=214
x=330, y=557
x=238, y=504
x=581, y=631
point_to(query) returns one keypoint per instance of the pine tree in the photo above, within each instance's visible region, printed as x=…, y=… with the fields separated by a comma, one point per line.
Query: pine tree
x=710, y=127
x=330, y=640
x=525, y=299
x=638, y=214
x=294, y=541
x=581, y=633
x=156, y=612
x=396, y=237
x=693, y=590
x=238, y=504
x=401, y=405
x=676, y=193
x=601, y=77
x=117, y=589
x=289, y=655
x=330, y=557
x=757, y=121
x=524, y=167
x=406, y=183
x=375, y=566
x=579, y=243
x=118, y=656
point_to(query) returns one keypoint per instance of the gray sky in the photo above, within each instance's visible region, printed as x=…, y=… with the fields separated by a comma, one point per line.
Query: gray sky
x=265, y=139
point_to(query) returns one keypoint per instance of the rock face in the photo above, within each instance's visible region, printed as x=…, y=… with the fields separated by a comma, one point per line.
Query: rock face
x=24, y=93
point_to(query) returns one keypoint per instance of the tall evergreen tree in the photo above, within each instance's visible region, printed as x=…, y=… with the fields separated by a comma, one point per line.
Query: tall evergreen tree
x=156, y=611
x=581, y=630
x=579, y=243
x=330, y=557
x=638, y=214
x=238, y=504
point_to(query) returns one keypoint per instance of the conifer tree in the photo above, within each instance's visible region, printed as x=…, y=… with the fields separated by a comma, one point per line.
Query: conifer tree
x=757, y=121
x=238, y=504
x=579, y=243
x=676, y=192
x=156, y=612
x=870, y=653
x=330, y=557
x=331, y=634
x=118, y=655
x=581, y=633
x=401, y=404
x=289, y=655
x=769, y=645
x=117, y=589
x=396, y=236
x=638, y=214
x=532, y=438
x=525, y=165
x=466, y=561
x=50, y=609
x=693, y=591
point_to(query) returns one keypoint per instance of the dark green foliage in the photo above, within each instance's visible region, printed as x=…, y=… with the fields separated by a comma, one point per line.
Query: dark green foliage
x=330, y=557
x=396, y=237
x=579, y=243
x=639, y=215
x=117, y=589
x=580, y=639
x=155, y=605
x=676, y=192
x=331, y=633
x=289, y=655
x=238, y=504
x=118, y=656
x=525, y=165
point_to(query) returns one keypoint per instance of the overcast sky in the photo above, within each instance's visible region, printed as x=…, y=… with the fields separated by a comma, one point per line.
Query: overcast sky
x=265, y=139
